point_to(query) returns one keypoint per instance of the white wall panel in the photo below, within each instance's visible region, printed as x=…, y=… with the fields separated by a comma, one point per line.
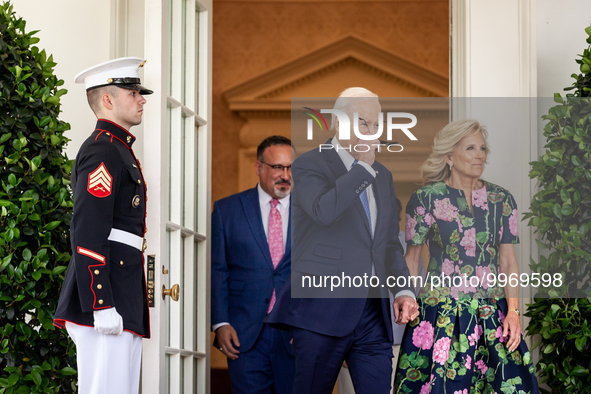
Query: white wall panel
x=561, y=37
x=494, y=55
x=78, y=35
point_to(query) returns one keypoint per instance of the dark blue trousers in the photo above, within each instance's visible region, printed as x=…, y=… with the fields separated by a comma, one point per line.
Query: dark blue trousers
x=267, y=368
x=367, y=349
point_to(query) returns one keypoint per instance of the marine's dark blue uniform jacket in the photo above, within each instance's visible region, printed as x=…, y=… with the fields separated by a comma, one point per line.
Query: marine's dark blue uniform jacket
x=109, y=192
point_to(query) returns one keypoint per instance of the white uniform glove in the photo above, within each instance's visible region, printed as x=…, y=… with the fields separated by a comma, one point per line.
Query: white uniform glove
x=108, y=321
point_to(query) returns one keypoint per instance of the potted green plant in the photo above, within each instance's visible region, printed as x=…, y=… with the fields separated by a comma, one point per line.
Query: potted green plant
x=561, y=214
x=35, y=211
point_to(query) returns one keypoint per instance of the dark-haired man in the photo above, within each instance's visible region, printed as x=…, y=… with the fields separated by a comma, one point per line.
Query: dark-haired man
x=250, y=262
x=103, y=301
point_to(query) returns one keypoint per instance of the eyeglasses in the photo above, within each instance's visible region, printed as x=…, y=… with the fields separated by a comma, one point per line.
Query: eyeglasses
x=364, y=127
x=277, y=167
x=363, y=124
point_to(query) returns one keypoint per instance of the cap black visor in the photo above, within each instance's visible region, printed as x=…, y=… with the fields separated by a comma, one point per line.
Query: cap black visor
x=136, y=86
x=131, y=86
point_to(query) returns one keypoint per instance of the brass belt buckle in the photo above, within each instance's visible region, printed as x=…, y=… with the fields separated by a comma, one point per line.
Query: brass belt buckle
x=144, y=245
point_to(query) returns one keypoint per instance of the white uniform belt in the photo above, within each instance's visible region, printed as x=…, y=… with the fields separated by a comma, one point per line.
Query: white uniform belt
x=127, y=238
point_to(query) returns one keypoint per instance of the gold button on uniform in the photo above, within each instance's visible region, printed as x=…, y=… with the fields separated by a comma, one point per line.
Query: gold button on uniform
x=121, y=262
x=138, y=181
x=96, y=272
x=101, y=302
x=99, y=286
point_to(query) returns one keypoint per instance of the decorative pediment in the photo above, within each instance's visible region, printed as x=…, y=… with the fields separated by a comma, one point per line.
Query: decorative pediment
x=327, y=71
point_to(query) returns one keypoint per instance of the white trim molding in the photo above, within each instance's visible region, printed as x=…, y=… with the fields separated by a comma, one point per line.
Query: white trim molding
x=493, y=54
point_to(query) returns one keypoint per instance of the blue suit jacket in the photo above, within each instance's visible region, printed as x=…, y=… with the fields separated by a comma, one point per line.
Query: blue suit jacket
x=331, y=236
x=242, y=274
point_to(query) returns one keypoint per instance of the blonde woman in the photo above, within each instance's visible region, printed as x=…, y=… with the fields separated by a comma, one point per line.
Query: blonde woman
x=467, y=338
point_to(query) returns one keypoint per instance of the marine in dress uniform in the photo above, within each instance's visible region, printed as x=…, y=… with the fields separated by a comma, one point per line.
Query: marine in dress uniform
x=103, y=301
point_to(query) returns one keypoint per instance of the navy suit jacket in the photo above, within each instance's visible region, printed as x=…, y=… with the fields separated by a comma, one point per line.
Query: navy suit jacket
x=331, y=236
x=242, y=274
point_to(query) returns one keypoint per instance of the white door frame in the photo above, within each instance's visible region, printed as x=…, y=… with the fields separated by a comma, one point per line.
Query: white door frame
x=156, y=172
x=493, y=54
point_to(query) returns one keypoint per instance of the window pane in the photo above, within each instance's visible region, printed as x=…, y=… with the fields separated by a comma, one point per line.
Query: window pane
x=167, y=374
x=197, y=312
x=189, y=179
x=196, y=183
x=176, y=165
x=196, y=109
x=181, y=301
x=174, y=276
x=183, y=49
x=166, y=283
x=169, y=47
x=169, y=132
x=183, y=172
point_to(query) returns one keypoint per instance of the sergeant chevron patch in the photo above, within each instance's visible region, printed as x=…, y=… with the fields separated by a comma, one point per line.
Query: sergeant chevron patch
x=100, y=182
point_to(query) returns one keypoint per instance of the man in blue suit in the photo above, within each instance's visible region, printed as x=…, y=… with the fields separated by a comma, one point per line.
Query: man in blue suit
x=250, y=262
x=345, y=224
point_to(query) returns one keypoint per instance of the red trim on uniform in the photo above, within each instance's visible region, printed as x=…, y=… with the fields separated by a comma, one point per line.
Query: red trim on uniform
x=113, y=135
x=123, y=142
x=106, y=131
x=102, y=131
x=108, y=121
x=145, y=191
x=90, y=267
x=90, y=253
x=147, y=296
x=61, y=323
x=144, y=234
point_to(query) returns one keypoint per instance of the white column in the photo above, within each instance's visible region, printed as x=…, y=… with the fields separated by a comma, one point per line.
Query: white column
x=493, y=54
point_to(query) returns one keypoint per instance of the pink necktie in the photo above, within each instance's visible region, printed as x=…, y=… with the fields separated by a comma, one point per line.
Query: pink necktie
x=275, y=240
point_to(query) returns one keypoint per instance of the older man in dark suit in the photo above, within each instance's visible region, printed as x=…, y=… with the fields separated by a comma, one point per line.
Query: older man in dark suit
x=345, y=224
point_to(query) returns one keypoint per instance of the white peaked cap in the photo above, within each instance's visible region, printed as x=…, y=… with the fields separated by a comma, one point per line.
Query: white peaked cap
x=122, y=72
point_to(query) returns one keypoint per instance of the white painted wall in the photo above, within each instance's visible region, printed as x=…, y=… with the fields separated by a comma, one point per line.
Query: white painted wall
x=561, y=37
x=494, y=61
x=78, y=38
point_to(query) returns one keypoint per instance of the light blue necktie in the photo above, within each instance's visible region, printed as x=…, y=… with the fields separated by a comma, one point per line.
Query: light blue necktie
x=365, y=203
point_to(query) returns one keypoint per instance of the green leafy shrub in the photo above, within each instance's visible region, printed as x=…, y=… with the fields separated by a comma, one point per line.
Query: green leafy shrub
x=561, y=212
x=35, y=212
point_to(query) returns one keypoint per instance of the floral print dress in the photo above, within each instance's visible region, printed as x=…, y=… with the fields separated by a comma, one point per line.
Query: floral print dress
x=456, y=345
